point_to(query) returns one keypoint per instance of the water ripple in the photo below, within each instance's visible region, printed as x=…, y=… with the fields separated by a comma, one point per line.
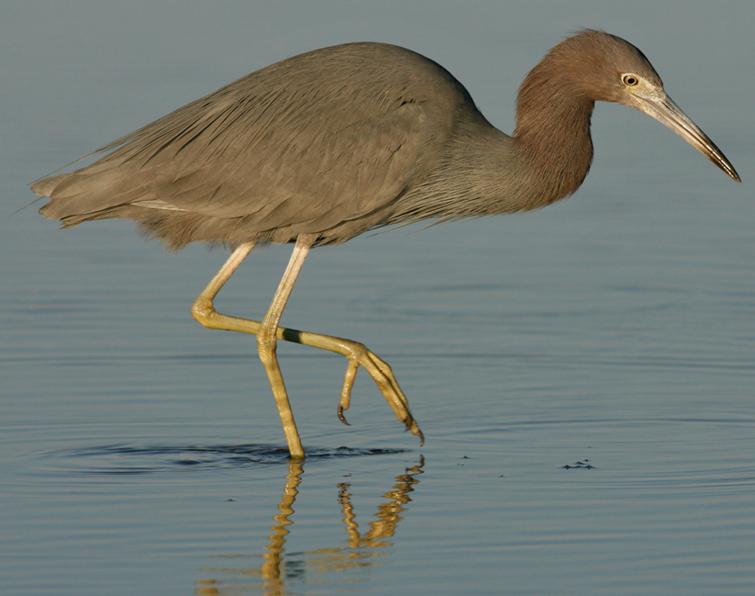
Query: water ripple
x=126, y=459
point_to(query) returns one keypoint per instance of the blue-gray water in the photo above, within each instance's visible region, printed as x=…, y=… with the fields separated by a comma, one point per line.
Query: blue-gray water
x=613, y=333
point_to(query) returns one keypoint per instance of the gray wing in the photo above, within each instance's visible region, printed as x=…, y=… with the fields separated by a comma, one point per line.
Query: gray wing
x=278, y=147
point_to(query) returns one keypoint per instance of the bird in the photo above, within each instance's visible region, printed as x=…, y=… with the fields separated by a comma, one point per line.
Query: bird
x=326, y=145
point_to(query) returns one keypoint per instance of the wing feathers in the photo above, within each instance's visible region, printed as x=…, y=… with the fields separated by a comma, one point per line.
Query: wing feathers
x=317, y=143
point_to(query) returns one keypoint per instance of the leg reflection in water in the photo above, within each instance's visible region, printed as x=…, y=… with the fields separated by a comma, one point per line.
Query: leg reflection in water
x=360, y=548
x=273, y=556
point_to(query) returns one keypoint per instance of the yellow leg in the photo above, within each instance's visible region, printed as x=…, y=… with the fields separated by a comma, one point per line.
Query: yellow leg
x=356, y=353
x=267, y=343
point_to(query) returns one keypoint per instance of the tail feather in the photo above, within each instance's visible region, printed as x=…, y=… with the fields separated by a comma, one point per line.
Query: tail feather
x=78, y=196
x=46, y=186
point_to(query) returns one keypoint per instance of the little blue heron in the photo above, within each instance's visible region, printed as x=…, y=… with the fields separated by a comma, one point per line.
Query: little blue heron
x=323, y=146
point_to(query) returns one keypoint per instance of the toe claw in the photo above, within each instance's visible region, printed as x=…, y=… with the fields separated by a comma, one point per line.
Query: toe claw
x=341, y=417
x=417, y=432
x=421, y=436
x=413, y=427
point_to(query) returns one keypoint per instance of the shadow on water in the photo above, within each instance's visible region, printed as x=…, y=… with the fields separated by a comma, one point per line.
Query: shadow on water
x=125, y=459
x=358, y=550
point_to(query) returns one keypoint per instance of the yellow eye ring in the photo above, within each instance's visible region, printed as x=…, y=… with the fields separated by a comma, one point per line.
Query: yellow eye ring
x=630, y=80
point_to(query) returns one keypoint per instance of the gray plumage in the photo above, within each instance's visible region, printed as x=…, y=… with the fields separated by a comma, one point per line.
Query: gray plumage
x=323, y=142
x=344, y=139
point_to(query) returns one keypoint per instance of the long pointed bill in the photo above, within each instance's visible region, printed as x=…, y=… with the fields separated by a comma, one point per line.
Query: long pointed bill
x=671, y=115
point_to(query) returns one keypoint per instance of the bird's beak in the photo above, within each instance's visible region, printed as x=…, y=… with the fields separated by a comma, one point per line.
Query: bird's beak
x=662, y=108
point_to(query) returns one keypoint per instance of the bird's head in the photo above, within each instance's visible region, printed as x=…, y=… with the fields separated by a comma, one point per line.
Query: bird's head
x=598, y=66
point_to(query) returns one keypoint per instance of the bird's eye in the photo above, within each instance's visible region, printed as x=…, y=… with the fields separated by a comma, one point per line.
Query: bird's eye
x=630, y=80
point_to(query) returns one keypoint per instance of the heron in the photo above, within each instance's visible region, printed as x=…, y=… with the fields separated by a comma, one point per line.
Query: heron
x=326, y=145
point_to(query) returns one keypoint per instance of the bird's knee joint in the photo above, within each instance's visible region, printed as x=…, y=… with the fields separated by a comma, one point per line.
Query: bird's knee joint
x=357, y=351
x=202, y=311
x=266, y=346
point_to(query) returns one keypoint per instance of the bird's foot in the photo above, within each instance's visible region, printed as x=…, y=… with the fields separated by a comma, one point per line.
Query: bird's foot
x=358, y=355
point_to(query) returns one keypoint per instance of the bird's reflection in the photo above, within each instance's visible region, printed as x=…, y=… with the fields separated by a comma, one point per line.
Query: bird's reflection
x=360, y=549
x=273, y=556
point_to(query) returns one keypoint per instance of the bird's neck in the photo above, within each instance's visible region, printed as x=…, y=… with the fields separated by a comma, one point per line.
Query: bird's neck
x=486, y=171
x=553, y=135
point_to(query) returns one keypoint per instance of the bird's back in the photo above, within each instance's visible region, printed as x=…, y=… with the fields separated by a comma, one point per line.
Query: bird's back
x=326, y=142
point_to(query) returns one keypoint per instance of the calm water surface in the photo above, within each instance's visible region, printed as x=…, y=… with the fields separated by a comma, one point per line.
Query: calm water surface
x=584, y=374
